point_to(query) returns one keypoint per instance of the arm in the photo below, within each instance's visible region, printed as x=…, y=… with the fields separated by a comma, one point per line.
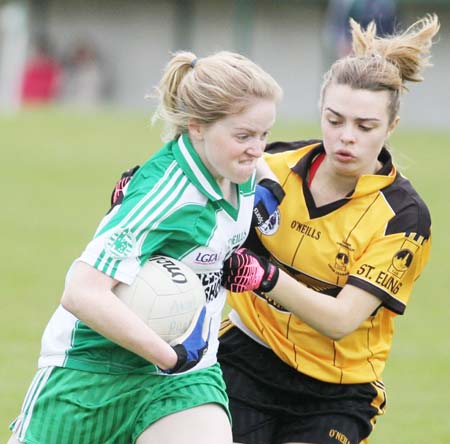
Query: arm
x=332, y=317
x=263, y=171
x=268, y=194
x=88, y=295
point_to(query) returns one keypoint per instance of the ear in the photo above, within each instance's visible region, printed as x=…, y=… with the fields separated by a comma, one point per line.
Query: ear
x=392, y=126
x=196, y=130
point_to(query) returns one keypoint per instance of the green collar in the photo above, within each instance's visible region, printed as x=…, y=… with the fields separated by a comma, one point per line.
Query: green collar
x=194, y=168
x=200, y=176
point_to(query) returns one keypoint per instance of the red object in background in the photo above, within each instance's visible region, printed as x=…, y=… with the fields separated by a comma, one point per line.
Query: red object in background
x=41, y=80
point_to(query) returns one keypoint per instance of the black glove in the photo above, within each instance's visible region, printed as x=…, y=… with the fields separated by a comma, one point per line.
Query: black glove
x=192, y=345
x=117, y=194
x=246, y=271
x=268, y=195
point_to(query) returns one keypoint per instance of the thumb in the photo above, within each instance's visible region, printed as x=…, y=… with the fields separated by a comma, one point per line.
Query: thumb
x=197, y=325
x=206, y=330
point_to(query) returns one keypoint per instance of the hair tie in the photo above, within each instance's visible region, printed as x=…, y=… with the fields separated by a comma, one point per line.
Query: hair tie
x=194, y=62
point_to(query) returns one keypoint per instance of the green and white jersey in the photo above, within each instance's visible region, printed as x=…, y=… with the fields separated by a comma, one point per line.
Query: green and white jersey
x=174, y=207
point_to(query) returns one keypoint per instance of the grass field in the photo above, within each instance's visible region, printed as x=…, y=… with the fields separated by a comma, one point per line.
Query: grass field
x=57, y=171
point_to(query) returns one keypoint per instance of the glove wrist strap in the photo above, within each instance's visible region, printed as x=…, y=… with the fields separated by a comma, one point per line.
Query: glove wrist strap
x=181, y=359
x=274, y=187
x=270, y=279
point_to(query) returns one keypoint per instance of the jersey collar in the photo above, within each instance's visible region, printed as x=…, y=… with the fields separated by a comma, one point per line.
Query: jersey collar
x=199, y=175
x=194, y=168
x=366, y=183
x=383, y=177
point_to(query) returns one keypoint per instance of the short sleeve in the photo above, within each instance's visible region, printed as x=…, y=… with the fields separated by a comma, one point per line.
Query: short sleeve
x=390, y=266
x=116, y=249
x=130, y=233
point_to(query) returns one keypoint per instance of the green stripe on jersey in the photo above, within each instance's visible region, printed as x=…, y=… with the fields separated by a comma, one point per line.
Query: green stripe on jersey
x=164, y=211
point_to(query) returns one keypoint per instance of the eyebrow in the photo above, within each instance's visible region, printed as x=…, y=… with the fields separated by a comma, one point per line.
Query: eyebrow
x=359, y=119
x=249, y=129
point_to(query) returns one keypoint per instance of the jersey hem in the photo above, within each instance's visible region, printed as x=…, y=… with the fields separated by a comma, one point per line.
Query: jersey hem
x=77, y=364
x=107, y=368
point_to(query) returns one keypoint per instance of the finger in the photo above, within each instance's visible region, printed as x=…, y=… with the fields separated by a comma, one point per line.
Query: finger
x=201, y=316
x=206, y=331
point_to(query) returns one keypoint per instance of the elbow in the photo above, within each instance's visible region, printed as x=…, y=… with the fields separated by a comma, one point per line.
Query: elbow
x=338, y=331
x=340, y=324
x=336, y=335
x=69, y=300
x=333, y=334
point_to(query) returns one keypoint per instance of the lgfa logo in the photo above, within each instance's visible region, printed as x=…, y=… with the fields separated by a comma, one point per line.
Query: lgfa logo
x=206, y=258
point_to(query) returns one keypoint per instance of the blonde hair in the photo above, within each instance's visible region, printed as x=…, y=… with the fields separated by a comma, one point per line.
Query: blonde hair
x=209, y=89
x=384, y=63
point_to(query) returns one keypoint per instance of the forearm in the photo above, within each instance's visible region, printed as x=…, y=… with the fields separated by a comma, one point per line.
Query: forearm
x=334, y=317
x=102, y=311
x=263, y=171
x=330, y=316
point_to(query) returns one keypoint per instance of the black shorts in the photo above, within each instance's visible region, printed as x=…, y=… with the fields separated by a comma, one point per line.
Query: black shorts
x=271, y=403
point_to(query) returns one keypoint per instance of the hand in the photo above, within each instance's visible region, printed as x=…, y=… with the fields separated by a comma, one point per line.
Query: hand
x=192, y=345
x=117, y=194
x=268, y=195
x=246, y=271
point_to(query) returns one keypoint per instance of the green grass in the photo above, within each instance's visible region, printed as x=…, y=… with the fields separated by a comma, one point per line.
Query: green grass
x=58, y=169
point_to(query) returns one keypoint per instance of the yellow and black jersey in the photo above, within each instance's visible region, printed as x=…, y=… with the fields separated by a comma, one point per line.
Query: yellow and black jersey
x=377, y=238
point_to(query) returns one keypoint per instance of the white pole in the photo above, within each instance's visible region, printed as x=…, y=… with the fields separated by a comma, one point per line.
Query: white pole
x=13, y=52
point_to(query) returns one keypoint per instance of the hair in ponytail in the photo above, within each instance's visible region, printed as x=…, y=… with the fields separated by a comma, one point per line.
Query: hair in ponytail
x=209, y=89
x=385, y=63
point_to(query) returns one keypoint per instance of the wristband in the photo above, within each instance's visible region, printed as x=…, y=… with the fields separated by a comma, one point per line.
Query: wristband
x=275, y=188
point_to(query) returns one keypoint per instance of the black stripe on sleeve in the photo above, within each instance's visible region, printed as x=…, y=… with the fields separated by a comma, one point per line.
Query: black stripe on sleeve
x=411, y=213
x=388, y=301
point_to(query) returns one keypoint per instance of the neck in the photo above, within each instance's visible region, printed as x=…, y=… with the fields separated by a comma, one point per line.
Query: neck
x=228, y=190
x=328, y=177
x=328, y=186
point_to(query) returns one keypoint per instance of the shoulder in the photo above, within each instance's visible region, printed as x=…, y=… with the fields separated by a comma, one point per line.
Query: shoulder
x=157, y=164
x=280, y=147
x=285, y=157
x=159, y=175
x=411, y=214
x=291, y=152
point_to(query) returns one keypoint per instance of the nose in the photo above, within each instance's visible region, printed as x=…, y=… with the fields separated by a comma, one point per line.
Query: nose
x=348, y=134
x=257, y=148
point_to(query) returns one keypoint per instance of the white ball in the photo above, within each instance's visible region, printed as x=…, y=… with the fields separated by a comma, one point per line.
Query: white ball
x=165, y=294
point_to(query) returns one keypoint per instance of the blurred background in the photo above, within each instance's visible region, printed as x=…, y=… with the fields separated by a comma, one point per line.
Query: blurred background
x=73, y=115
x=113, y=51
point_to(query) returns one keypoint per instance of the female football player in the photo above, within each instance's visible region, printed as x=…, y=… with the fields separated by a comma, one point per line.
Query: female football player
x=304, y=348
x=106, y=377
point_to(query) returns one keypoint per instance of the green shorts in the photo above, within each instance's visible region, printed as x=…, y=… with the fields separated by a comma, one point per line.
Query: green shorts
x=71, y=406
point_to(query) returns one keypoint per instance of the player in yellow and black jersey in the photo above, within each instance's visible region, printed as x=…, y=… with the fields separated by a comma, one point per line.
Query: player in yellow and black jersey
x=315, y=292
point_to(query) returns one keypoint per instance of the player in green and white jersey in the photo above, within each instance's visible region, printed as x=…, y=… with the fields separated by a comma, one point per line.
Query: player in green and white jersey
x=106, y=377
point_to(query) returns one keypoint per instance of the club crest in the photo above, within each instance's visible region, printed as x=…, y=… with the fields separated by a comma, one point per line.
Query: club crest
x=271, y=226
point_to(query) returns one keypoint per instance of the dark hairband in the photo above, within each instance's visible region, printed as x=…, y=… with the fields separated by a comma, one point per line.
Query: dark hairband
x=194, y=62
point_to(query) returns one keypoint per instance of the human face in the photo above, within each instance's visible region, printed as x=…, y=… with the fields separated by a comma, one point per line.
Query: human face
x=231, y=146
x=355, y=127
